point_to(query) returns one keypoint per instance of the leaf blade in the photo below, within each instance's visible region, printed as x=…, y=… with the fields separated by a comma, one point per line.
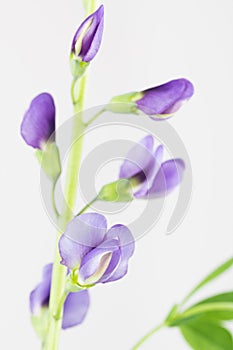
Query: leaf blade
x=210, y=277
x=207, y=336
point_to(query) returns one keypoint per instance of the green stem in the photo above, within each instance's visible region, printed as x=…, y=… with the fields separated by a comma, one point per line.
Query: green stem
x=147, y=336
x=87, y=206
x=89, y=6
x=61, y=303
x=59, y=271
x=53, y=200
x=95, y=117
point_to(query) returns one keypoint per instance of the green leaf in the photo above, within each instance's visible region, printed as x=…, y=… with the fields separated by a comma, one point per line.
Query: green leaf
x=118, y=191
x=201, y=335
x=223, y=315
x=205, y=310
x=216, y=273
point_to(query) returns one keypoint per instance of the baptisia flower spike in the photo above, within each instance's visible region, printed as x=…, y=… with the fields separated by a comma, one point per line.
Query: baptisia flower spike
x=75, y=306
x=38, y=131
x=86, y=41
x=94, y=253
x=143, y=174
x=159, y=102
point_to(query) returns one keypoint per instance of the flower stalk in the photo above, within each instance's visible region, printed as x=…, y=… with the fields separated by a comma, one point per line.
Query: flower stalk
x=147, y=336
x=59, y=271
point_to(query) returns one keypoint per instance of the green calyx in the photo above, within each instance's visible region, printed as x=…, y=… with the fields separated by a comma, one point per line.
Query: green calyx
x=124, y=103
x=40, y=323
x=77, y=66
x=49, y=159
x=72, y=284
x=117, y=191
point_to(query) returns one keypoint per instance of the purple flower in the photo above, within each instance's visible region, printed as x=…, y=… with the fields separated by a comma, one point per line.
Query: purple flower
x=165, y=99
x=75, y=307
x=99, y=254
x=38, y=124
x=143, y=166
x=87, y=39
x=159, y=102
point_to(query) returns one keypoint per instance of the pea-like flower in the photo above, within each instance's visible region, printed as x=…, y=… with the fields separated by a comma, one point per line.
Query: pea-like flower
x=75, y=306
x=38, y=124
x=144, y=168
x=87, y=39
x=97, y=254
x=159, y=102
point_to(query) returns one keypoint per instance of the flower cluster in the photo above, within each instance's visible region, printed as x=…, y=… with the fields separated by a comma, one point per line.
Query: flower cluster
x=90, y=251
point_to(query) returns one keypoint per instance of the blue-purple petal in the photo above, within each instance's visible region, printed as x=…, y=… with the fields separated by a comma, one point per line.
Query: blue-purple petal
x=151, y=173
x=38, y=124
x=127, y=247
x=114, y=263
x=39, y=297
x=168, y=177
x=139, y=159
x=82, y=234
x=165, y=99
x=75, y=309
x=97, y=261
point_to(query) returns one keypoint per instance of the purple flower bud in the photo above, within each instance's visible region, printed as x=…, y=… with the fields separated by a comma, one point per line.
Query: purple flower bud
x=143, y=166
x=38, y=124
x=75, y=306
x=101, y=255
x=159, y=102
x=87, y=39
x=165, y=99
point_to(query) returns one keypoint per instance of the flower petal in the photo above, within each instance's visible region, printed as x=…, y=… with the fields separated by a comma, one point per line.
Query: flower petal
x=75, y=308
x=138, y=159
x=96, y=262
x=143, y=190
x=127, y=246
x=38, y=124
x=83, y=233
x=39, y=297
x=168, y=177
x=165, y=99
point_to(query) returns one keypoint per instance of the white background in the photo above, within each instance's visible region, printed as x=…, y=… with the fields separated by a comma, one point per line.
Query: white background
x=145, y=43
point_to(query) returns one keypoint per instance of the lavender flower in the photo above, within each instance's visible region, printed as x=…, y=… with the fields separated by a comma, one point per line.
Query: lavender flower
x=99, y=255
x=38, y=124
x=87, y=39
x=158, y=102
x=144, y=168
x=75, y=307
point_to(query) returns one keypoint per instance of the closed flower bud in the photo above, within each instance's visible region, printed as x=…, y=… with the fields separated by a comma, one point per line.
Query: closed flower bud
x=38, y=125
x=86, y=42
x=159, y=102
